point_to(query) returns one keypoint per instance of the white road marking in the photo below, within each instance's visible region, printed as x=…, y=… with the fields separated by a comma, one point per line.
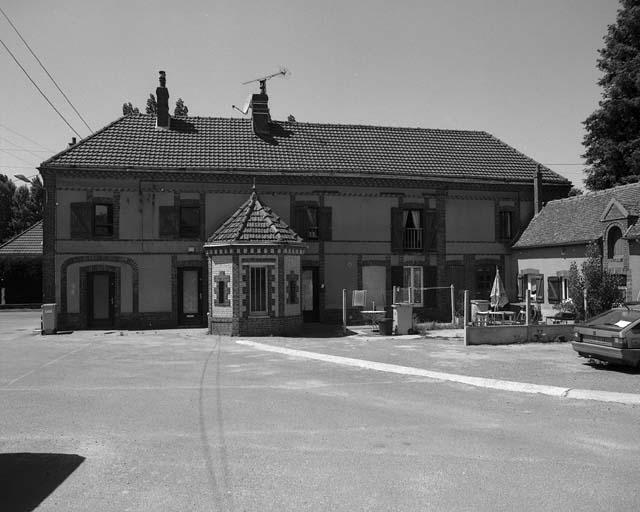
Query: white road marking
x=504, y=385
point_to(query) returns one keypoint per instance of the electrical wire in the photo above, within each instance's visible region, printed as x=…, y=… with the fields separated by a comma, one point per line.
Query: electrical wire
x=14, y=156
x=17, y=147
x=39, y=90
x=45, y=70
x=25, y=137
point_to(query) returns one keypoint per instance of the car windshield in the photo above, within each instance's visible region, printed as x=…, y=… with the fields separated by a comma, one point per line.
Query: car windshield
x=616, y=319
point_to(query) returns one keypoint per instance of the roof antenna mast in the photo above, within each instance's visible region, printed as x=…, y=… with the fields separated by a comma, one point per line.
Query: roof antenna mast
x=263, y=88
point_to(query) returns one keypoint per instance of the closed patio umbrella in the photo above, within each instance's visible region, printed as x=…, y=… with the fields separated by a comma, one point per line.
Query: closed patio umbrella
x=498, y=295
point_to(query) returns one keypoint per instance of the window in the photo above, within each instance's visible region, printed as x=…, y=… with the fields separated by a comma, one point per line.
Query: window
x=102, y=220
x=615, y=243
x=306, y=222
x=293, y=292
x=189, y=221
x=92, y=220
x=534, y=283
x=412, y=282
x=412, y=230
x=505, y=225
x=221, y=292
x=257, y=290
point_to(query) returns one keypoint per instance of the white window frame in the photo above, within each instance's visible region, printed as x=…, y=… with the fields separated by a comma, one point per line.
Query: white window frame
x=414, y=286
x=265, y=296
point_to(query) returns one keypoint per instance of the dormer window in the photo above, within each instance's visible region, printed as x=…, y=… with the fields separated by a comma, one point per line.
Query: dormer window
x=615, y=243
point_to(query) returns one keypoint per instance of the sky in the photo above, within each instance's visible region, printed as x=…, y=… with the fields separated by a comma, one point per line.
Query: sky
x=522, y=70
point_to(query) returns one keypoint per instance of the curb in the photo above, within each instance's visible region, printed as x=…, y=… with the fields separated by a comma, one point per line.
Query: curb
x=481, y=382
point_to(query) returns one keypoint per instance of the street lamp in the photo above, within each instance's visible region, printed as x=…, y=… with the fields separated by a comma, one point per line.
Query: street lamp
x=22, y=177
x=29, y=180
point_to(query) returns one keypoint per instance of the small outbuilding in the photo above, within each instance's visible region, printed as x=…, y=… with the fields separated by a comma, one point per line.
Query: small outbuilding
x=21, y=268
x=254, y=262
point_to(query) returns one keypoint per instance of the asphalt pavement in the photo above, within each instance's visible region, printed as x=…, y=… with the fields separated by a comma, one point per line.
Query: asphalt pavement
x=178, y=420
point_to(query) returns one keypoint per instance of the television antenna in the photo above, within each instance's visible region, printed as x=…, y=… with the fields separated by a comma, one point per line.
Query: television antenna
x=263, y=88
x=283, y=72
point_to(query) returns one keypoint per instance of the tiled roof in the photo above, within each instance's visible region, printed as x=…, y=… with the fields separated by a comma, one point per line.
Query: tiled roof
x=27, y=243
x=254, y=222
x=577, y=219
x=207, y=143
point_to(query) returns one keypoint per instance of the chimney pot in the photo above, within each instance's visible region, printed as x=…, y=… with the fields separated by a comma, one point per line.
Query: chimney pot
x=162, y=101
x=260, y=113
x=537, y=190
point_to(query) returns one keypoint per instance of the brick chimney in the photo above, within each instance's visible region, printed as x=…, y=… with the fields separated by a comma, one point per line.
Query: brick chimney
x=260, y=111
x=537, y=190
x=162, y=101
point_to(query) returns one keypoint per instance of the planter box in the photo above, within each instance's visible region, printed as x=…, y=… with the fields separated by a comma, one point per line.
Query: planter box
x=508, y=334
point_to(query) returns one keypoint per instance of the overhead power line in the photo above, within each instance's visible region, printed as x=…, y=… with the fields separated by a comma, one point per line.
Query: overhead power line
x=17, y=147
x=25, y=138
x=45, y=70
x=39, y=90
x=14, y=156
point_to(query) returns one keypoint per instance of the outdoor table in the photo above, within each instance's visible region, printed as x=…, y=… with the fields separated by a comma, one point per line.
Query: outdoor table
x=503, y=315
x=373, y=316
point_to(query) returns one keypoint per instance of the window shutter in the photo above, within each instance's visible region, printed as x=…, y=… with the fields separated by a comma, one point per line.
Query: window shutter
x=300, y=221
x=396, y=233
x=430, y=279
x=539, y=288
x=430, y=231
x=81, y=220
x=397, y=276
x=169, y=226
x=324, y=223
x=555, y=292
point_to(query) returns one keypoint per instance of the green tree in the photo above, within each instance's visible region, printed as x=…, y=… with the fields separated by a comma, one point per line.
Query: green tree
x=181, y=109
x=7, y=188
x=601, y=285
x=20, y=210
x=612, y=138
x=152, y=105
x=128, y=109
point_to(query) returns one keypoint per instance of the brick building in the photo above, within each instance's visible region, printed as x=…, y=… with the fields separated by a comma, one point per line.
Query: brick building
x=129, y=210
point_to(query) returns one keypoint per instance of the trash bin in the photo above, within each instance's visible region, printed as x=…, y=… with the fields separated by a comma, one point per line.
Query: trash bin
x=49, y=319
x=402, y=317
x=385, y=326
x=478, y=305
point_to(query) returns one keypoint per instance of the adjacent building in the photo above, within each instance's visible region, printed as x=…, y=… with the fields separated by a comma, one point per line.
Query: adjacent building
x=21, y=268
x=130, y=209
x=560, y=234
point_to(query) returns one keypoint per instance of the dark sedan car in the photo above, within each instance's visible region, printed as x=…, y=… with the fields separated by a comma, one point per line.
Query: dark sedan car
x=613, y=336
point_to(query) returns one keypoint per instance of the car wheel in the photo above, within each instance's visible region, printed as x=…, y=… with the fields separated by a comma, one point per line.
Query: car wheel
x=582, y=354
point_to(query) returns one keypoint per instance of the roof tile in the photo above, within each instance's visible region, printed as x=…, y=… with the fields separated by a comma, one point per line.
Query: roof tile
x=209, y=143
x=254, y=222
x=577, y=219
x=27, y=243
